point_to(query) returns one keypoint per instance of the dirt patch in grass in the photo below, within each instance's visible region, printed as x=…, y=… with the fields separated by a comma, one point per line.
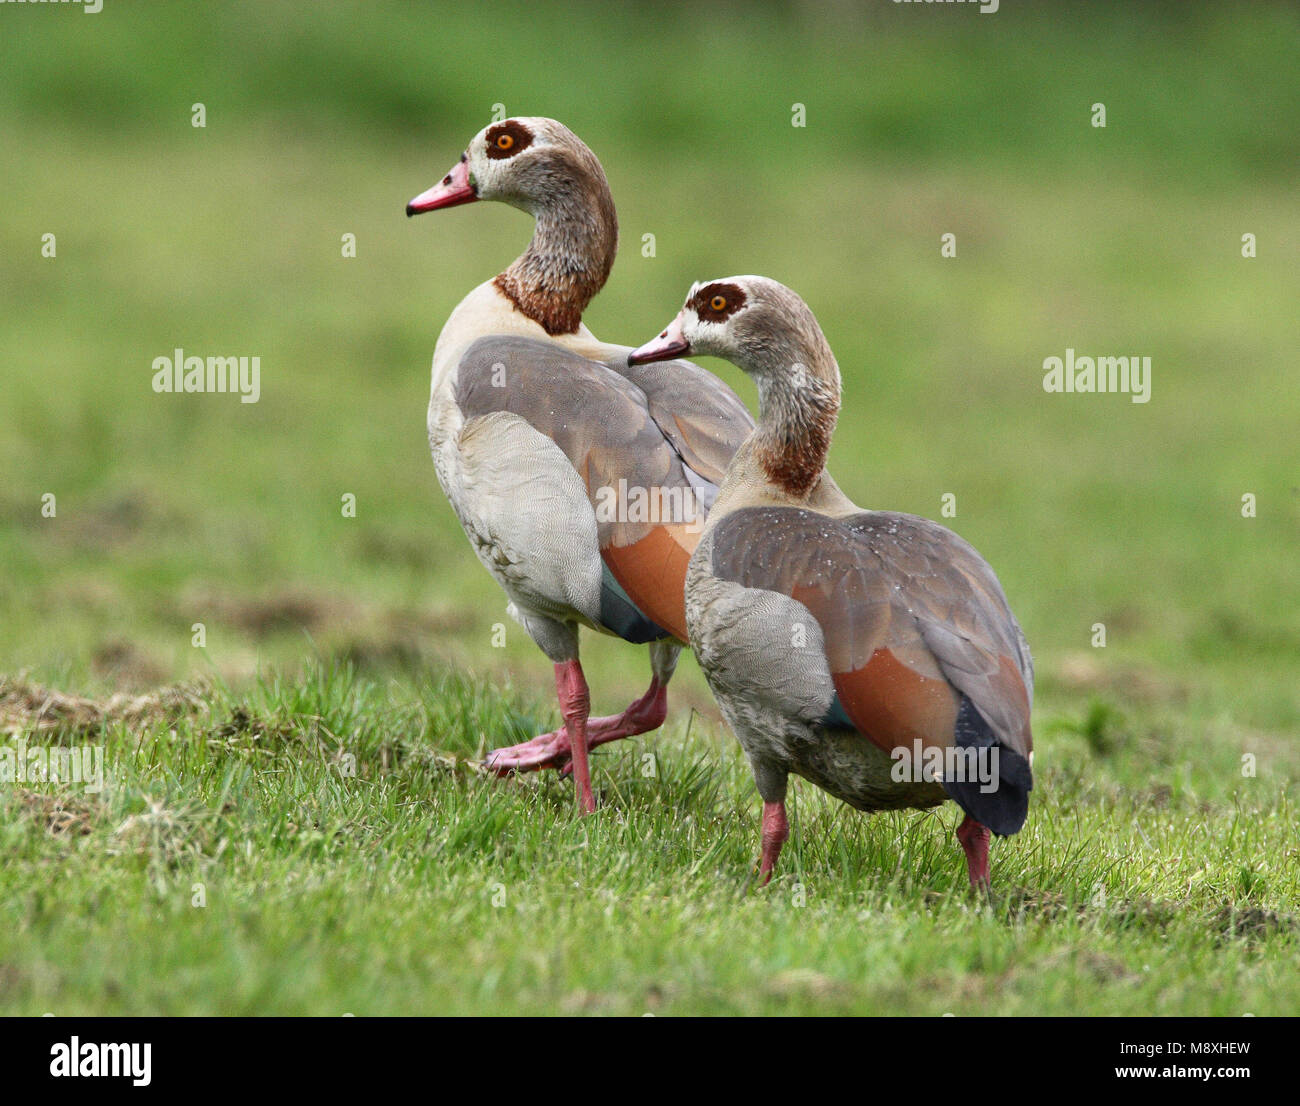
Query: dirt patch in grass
x=1154, y=914
x=796, y=983
x=244, y=722
x=250, y=735
x=1084, y=673
x=370, y=637
x=1252, y=924
x=298, y=608
x=126, y=664
x=131, y=514
x=1097, y=965
x=1028, y=904
x=959, y=992
x=261, y=616
x=381, y=654
x=1157, y=797
x=59, y=814
x=26, y=707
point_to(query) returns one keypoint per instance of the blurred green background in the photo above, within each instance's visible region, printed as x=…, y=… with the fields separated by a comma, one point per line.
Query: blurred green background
x=323, y=119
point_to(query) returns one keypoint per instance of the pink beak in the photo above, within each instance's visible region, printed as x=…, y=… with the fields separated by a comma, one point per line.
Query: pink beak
x=455, y=188
x=671, y=343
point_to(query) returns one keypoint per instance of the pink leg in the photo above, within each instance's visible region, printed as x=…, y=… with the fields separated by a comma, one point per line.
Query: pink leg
x=552, y=750
x=775, y=830
x=974, y=839
x=575, y=705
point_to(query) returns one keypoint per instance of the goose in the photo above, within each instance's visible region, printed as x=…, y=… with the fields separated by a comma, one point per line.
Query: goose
x=581, y=482
x=870, y=652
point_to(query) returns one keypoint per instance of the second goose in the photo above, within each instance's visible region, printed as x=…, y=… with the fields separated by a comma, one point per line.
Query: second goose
x=840, y=643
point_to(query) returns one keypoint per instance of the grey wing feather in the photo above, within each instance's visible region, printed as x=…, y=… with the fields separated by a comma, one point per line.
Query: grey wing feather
x=703, y=419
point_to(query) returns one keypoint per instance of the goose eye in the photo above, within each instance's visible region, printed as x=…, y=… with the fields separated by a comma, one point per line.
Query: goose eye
x=718, y=303
x=507, y=139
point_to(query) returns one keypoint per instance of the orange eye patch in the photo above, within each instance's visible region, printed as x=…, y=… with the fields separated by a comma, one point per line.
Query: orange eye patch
x=718, y=303
x=505, y=141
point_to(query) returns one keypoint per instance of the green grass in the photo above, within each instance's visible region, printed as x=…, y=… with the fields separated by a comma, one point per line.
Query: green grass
x=418, y=885
x=374, y=636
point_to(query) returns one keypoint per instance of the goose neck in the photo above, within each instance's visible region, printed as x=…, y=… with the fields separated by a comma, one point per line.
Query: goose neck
x=798, y=402
x=568, y=260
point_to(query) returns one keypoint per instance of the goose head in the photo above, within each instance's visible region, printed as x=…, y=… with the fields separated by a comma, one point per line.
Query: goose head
x=528, y=162
x=759, y=325
x=540, y=166
x=769, y=332
x=705, y=324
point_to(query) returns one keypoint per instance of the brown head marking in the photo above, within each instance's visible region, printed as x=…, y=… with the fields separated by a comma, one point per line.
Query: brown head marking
x=717, y=302
x=507, y=139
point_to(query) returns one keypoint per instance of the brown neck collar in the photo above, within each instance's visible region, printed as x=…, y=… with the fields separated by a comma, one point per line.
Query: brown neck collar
x=569, y=258
x=797, y=414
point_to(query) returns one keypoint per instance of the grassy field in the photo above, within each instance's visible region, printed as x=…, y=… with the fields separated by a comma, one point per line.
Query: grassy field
x=309, y=779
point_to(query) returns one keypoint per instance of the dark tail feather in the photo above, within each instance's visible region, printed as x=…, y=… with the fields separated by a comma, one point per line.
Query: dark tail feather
x=1005, y=808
